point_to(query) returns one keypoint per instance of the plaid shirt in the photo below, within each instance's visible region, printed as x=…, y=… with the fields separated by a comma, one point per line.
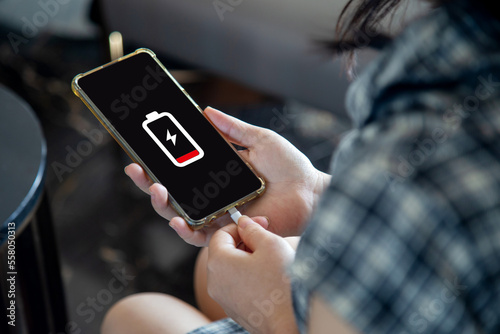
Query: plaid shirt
x=407, y=237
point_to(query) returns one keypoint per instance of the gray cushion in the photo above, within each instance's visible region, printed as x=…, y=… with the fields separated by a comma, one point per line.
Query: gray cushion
x=273, y=54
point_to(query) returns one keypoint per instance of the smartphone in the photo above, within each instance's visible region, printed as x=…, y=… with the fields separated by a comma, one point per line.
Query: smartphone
x=162, y=129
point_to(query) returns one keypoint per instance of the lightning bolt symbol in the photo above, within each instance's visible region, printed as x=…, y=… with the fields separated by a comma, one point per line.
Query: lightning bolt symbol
x=170, y=137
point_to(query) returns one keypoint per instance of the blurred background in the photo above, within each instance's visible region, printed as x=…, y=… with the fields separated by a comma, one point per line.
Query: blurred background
x=257, y=60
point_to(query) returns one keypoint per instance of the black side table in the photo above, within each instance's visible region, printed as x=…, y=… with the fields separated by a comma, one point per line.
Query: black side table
x=28, y=252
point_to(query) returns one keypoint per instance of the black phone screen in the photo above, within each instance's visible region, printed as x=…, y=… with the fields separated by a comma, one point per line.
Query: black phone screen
x=169, y=134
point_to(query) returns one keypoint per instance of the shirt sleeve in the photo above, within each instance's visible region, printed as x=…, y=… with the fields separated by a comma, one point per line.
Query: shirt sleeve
x=392, y=254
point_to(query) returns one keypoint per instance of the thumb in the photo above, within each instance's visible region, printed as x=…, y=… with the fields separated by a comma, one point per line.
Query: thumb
x=254, y=235
x=235, y=130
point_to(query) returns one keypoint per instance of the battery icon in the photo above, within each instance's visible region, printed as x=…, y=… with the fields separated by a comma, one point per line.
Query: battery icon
x=172, y=138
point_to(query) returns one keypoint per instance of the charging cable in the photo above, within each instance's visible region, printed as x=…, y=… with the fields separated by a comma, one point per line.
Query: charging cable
x=235, y=214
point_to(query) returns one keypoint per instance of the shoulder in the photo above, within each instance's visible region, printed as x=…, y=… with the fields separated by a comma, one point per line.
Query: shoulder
x=436, y=62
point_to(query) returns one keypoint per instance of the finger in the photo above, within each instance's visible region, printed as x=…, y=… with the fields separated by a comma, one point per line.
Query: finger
x=195, y=238
x=241, y=246
x=137, y=174
x=235, y=130
x=226, y=238
x=293, y=242
x=159, y=200
x=253, y=234
x=262, y=221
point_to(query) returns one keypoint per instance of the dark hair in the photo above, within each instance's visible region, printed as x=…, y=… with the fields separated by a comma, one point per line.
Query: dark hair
x=359, y=19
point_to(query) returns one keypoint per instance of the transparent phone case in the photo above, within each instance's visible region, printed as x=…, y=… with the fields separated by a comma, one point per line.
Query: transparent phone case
x=179, y=161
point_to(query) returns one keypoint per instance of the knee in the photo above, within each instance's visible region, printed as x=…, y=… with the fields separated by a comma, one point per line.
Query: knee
x=122, y=317
x=151, y=313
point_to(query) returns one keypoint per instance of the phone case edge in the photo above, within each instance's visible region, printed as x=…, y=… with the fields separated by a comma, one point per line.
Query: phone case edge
x=194, y=224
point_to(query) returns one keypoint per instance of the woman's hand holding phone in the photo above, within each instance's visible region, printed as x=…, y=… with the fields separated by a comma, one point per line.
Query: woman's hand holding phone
x=293, y=184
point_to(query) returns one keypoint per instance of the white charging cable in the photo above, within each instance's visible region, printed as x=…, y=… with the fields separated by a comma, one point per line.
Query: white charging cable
x=235, y=214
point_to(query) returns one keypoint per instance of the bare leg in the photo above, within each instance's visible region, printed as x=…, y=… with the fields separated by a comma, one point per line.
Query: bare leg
x=206, y=304
x=148, y=313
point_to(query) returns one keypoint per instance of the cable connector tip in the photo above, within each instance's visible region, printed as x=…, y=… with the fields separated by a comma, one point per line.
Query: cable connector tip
x=235, y=214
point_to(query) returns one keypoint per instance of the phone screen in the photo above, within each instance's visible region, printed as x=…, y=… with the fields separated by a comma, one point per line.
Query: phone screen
x=170, y=135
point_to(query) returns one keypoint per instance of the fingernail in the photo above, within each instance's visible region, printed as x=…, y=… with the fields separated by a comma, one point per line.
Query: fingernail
x=125, y=170
x=244, y=221
x=268, y=221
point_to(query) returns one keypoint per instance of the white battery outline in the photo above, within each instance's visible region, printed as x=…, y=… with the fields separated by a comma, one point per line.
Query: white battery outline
x=154, y=116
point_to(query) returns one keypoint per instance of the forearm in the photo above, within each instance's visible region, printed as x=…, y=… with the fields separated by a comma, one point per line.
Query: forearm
x=286, y=326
